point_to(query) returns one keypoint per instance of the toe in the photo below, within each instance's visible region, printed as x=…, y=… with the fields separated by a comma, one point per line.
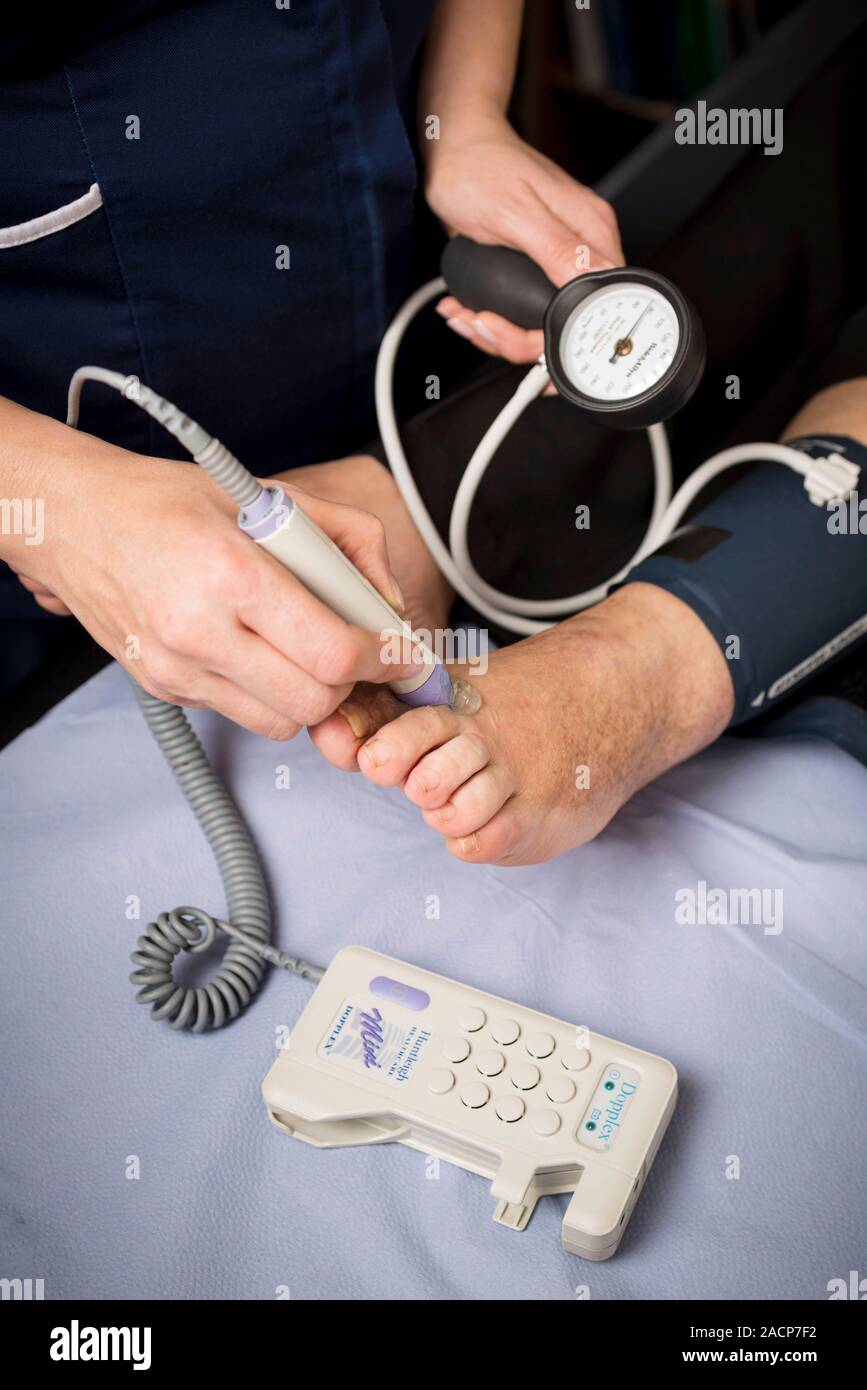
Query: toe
x=434, y=779
x=473, y=804
x=497, y=842
x=367, y=709
x=336, y=742
x=390, y=756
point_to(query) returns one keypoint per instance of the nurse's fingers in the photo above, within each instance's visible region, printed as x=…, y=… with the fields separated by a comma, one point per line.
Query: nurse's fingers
x=562, y=248
x=549, y=242
x=53, y=605
x=244, y=709
x=44, y=597
x=309, y=635
x=233, y=670
x=492, y=333
x=255, y=669
x=579, y=207
x=207, y=690
x=361, y=537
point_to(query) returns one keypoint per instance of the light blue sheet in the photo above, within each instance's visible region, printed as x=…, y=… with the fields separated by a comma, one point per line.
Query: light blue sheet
x=768, y=1031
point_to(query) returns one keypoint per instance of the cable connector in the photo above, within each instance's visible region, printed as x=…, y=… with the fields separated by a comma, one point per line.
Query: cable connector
x=294, y=964
x=192, y=919
x=830, y=479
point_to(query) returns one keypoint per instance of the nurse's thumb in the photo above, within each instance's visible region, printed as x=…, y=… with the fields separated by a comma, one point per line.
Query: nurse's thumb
x=556, y=247
x=361, y=537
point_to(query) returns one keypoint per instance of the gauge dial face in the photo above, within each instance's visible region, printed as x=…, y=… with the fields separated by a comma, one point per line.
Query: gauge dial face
x=619, y=342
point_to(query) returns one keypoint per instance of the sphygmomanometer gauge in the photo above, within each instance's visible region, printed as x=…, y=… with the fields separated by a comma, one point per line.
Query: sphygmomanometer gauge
x=624, y=346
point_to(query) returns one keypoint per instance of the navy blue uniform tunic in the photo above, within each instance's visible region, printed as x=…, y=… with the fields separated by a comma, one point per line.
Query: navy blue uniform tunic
x=257, y=183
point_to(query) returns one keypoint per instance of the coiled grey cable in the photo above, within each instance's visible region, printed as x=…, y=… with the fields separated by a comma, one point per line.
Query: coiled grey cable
x=240, y=973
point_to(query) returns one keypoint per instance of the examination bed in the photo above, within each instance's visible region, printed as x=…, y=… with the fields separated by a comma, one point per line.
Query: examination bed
x=139, y=1162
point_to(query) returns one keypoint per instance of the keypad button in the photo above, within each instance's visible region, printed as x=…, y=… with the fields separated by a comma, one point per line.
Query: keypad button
x=545, y=1122
x=472, y=1019
x=440, y=1080
x=510, y=1108
x=456, y=1049
x=490, y=1063
x=560, y=1089
x=575, y=1058
x=540, y=1045
x=525, y=1077
x=505, y=1031
x=475, y=1095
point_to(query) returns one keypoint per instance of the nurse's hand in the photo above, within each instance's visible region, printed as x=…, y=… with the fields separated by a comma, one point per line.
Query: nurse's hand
x=361, y=478
x=484, y=181
x=147, y=555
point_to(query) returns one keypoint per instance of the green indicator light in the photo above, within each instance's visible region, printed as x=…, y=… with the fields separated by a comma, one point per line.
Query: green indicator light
x=609, y=1085
x=591, y=1125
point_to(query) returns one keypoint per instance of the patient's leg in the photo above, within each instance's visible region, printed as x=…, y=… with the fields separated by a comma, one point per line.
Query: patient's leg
x=573, y=721
x=840, y=409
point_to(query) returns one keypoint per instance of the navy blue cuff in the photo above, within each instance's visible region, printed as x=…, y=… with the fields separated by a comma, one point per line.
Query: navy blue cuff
x=779, y=582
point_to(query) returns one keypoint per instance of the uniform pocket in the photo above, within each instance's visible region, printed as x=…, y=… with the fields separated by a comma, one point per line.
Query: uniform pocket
x=49, y=222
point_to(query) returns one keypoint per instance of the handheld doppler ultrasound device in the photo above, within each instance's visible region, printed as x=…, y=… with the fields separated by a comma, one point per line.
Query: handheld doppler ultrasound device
x=385, y=1052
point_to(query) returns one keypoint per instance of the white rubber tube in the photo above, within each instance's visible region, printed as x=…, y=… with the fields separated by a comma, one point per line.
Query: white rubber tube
x=527, y=616
x=524, y=616
x=465, y=497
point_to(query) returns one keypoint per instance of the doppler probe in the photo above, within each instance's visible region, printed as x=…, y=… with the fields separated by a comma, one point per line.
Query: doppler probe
x=275, y=521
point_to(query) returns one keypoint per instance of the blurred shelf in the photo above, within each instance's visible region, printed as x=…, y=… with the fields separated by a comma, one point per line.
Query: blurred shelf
x=653, y=109
x=588, y=125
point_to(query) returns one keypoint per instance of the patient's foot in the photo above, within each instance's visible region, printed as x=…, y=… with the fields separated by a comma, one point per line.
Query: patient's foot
x=572, y=723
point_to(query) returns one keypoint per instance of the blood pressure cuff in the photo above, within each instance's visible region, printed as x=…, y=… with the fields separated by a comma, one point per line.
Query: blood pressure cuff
x=780, y=582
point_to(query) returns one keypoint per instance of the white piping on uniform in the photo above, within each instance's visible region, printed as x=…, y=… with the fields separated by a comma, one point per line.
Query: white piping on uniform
x=52, y=221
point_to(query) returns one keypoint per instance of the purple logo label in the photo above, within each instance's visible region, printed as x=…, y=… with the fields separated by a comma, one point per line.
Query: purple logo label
x=371, y=1036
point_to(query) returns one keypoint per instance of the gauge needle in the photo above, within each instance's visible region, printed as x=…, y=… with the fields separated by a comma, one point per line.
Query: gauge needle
x=627, y=336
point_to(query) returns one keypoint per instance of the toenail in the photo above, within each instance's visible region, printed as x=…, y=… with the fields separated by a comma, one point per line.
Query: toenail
x=427, y=780
x=470, y=844
x=356, y=718
x=377, y=752
x=446, y=812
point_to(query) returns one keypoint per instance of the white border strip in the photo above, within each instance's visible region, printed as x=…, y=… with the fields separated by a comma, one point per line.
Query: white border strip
x=812, y=663
x=52, y=221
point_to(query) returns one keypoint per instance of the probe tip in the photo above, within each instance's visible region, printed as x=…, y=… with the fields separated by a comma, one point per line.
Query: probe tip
x=465, y=698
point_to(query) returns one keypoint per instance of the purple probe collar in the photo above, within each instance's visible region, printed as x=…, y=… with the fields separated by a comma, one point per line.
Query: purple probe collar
x=267, y=514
